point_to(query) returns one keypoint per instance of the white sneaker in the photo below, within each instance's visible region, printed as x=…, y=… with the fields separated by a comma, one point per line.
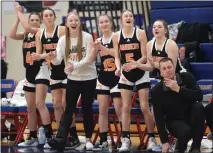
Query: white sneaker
x=89, y=146
x=157, y=148
x=81, y=148
x=101, y=146
x=49, y=151
x=28, y=149
x=125, y=145
x=30, y=142
x=46, y=146
x=151, y=143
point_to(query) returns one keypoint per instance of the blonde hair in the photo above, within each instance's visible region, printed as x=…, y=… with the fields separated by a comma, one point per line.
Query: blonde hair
x=109, y=17
x=68, y=41
x=104, y=14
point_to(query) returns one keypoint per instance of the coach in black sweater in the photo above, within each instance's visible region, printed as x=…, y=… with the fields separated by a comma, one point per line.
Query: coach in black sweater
x=176, y=103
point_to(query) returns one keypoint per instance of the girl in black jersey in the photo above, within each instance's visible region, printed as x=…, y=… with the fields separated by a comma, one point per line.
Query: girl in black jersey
x=130, y=45
x=37, y=74
x=161, y=46
x=157, y=48
x=47, y=39
x=107, y=82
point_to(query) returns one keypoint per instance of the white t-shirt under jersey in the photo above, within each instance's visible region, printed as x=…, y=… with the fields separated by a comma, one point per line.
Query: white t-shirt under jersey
x=82, y=69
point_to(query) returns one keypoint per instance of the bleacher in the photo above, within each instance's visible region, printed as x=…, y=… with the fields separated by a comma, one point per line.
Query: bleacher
x=190, y=12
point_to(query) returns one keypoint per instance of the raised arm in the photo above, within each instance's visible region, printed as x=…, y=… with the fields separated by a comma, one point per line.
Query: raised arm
x=13, y=32
x=24, y=21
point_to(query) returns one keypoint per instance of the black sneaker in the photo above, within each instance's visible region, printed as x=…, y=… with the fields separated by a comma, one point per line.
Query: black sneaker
x=57, y=143
x=72, y=143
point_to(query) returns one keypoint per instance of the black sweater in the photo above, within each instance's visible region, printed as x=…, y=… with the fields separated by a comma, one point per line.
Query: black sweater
x=170, y=105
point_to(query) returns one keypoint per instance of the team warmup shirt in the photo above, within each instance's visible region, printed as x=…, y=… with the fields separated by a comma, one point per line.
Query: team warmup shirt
x=82, y=70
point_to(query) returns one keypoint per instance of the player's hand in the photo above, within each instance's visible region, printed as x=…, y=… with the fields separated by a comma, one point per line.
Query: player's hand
x=130, y=66
x=68, y=68
x=118, y=72
x=51, y=55
x=35, y=56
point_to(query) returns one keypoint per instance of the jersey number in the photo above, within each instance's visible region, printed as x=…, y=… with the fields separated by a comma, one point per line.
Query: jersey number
x=129, y=57
x=29, y=59
x=109, y=64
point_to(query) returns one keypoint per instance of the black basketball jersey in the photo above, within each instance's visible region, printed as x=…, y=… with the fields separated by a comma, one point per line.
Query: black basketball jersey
x=158, y=55
x=130, y=49
x=50, y=44
x=107, y=75
x=32, y=67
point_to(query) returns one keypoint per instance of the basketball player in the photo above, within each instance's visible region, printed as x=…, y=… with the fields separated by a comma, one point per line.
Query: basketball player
x=130, y=45
x=37, y=75
x=160, y=46
x=107, y=82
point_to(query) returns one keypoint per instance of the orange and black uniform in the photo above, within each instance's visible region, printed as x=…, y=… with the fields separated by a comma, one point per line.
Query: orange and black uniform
x=50, y=44
x=107, y=75
x=130, y=49
x=158, y=55
x=32, y=67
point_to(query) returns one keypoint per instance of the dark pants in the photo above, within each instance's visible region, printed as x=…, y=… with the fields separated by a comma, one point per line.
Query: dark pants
x=3, y=74
x=192, y=127
x=74, y=89
x=209, y=114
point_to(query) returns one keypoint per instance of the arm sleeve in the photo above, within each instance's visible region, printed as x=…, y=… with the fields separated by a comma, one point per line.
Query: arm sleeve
x=88, y=48
x=191, y=90
x=60, y=52
x=159, y=117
